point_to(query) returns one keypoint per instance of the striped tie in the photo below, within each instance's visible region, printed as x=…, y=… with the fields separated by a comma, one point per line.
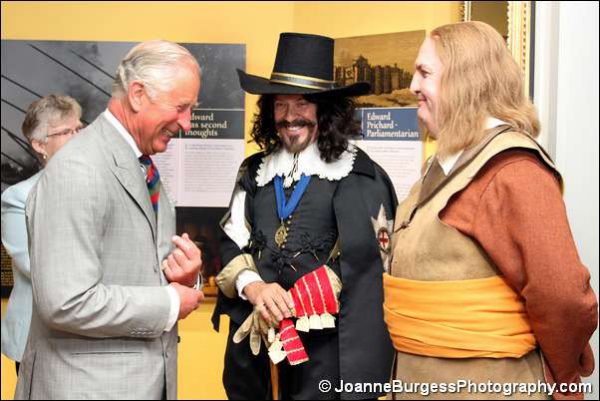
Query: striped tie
x=152, y=180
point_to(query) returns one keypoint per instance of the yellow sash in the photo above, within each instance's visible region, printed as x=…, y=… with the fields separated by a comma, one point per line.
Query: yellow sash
x=480, y=318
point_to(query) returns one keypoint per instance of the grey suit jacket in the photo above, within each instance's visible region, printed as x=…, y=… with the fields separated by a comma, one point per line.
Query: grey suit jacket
x=100, y=306
x=15, y=325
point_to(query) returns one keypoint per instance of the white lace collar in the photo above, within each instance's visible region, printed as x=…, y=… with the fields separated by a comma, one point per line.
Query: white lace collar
x=309, y=162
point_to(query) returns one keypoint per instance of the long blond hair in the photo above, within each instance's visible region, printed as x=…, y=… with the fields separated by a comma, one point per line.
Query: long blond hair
x=480, y=79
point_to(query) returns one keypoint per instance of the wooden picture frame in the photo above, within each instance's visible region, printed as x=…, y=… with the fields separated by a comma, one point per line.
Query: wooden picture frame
x=518, y=30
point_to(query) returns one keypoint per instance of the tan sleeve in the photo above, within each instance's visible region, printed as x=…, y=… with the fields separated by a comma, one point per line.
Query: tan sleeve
x=227, y=277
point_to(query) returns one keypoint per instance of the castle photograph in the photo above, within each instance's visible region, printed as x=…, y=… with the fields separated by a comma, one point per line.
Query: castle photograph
x=385, y=61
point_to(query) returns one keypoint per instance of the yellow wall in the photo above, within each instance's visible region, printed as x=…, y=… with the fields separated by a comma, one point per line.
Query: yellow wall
x=346, y=19
x=257, y=24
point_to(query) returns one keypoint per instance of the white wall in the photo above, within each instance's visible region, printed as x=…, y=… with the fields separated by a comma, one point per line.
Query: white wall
x=566, y=94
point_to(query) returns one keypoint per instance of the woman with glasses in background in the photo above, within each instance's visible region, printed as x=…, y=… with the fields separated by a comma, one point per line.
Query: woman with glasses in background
x=50, y=122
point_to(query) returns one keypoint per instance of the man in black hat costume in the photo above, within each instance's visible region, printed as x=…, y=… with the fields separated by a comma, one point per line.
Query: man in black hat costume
x=310, y=198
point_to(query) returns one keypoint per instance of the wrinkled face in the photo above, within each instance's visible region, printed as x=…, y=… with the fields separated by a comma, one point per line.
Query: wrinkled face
x=296, y=121
x=60, y=131
x=426, y=84
x=164, y=113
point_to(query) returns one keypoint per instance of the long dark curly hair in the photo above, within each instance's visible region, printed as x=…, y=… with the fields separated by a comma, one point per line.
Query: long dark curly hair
x=336, y=120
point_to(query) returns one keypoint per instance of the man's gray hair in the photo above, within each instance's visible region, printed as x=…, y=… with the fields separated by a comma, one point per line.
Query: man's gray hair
x=45, y=110
x=155, y=63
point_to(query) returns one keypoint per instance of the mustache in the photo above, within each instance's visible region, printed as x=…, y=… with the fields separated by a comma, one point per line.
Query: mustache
x=299, y=122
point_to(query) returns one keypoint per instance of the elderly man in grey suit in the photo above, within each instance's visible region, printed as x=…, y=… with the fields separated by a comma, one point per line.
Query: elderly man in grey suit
x=110, y=278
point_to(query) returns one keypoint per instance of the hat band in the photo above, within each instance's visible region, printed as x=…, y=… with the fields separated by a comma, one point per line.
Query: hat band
x=302, y=81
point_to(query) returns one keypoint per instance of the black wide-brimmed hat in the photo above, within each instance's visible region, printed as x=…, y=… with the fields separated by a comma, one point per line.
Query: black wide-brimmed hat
x=303, y=65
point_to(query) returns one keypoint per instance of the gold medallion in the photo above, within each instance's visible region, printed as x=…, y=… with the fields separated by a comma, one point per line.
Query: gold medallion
x=281, y=235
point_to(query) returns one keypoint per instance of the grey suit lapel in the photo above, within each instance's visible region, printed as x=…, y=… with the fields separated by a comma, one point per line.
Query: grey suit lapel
x=127, y=170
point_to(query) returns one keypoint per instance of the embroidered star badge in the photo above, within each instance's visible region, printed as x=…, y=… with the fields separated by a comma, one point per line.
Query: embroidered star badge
x=383, y=229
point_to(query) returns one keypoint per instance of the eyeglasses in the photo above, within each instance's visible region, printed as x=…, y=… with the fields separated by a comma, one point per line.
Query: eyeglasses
x=67, y=131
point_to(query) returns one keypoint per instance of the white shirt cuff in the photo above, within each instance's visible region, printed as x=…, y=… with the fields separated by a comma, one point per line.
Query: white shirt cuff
x=246, y=277
x=174, y=308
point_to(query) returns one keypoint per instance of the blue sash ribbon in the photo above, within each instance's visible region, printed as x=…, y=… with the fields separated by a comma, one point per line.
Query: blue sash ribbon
x=285, y=209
